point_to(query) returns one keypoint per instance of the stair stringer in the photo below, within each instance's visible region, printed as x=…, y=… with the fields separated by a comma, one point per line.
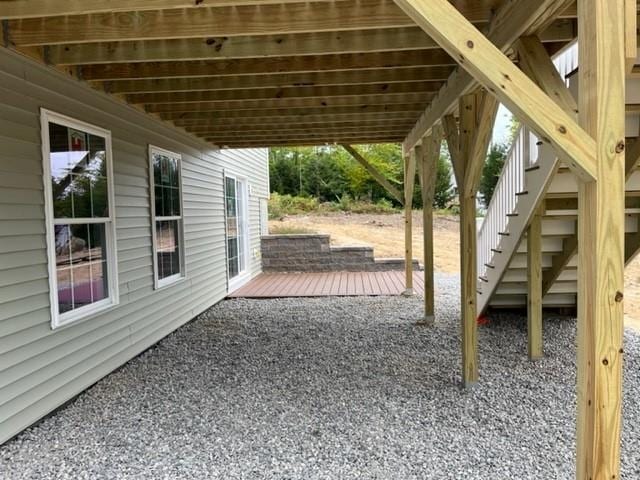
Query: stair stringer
x=537, y=182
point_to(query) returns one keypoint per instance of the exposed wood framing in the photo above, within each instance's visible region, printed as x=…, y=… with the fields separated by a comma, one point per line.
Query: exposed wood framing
x=286, y=80
x=270, y=65
x=451, y=133
x=48, y=8
x=283, y=93
x=292, y=103
x=199, y=23
x=538, y=66
x=477, y=115
x=522, y=96
x=427, y=169
x=630, y=33
x=601, y=240
x=514, y=20
x=409, y=182
x=373, y=171
x=559, y=263
x=534, y=287
x=259, y=46
x=320, y=114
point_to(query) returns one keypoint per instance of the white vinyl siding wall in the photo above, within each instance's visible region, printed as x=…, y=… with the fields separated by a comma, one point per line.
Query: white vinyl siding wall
x=41, y=368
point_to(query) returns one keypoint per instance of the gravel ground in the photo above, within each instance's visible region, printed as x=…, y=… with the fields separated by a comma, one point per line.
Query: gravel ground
x=327, y=389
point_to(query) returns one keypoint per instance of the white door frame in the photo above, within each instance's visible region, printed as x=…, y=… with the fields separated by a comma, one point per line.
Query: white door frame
x=244, y=273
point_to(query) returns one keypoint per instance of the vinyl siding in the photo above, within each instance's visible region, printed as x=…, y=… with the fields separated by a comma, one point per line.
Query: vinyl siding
x=41, y=368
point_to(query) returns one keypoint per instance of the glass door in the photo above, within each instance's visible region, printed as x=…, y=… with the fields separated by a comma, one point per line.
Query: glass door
x=237, y=229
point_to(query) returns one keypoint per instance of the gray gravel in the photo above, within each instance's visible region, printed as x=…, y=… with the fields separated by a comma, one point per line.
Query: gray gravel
x=344, y=388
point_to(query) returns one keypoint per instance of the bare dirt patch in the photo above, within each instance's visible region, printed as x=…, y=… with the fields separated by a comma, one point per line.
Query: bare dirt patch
x=385, y=233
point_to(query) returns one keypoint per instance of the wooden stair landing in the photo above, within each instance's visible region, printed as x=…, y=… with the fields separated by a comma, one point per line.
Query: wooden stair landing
x=327, y=284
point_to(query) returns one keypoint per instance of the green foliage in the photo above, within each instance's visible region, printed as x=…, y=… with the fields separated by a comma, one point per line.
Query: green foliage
x=339, y=183
x=288, y=230
x=443, y=193
x=329, y=172
x=514, y=126
x=491, y=171
x=281, y=205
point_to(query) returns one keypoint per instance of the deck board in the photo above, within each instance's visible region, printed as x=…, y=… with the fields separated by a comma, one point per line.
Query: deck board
x=327, y=284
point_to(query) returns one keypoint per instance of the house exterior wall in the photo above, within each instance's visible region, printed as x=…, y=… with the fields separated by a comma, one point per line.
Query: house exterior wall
x=41, y=368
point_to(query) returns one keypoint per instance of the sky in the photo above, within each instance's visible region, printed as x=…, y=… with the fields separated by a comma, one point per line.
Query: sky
x=501, y=129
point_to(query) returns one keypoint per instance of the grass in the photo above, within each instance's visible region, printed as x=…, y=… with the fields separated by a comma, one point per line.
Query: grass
x=289, y=230
x=281, y=206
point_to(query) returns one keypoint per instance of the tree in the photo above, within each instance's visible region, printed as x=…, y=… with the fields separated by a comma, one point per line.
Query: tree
x=491, y=171
x=443, y=193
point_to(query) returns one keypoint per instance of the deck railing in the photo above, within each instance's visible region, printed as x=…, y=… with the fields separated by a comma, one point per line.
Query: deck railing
x=524, y=153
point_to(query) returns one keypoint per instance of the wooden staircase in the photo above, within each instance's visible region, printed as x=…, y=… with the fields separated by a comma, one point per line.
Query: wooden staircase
x=535, y=182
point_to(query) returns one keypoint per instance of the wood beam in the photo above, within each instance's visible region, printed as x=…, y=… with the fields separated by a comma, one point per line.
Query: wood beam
x=559, y=262
x=305, y=142
x=486, y=109
x=333, y=135
x=468, y=245
x=534, y=287
x=286, y=80
x=283, y=93
x=428, y=169
x=450, y=126
x=15, y=9
x=260, y=46
x=267, y=66
x=409, y=183
x=632, y=158
x=363, y=101
x=512, y=87
x=630, y=33
x=296, y=114
x=296, y=128
x=538, y=66
x=373, y=171
x=601, y=239
x=512, y=21
x=257, y=46
x=201, y=22
x=277, y=122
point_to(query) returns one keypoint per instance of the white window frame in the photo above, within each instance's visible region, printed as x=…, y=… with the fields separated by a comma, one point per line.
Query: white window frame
x=165, y=282
x=243, y=275
x=88, y=311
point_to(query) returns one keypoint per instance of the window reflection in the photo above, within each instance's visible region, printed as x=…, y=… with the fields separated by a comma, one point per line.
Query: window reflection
x=79, y=173
x=167, y=248
x=80, y=264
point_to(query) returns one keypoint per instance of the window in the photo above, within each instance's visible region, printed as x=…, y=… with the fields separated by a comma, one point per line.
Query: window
x=237, y=229
x=166, y=205
x=80, y=219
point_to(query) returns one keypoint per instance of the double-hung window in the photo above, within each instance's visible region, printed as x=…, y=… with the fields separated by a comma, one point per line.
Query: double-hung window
x=166, y=208
x=78, y=181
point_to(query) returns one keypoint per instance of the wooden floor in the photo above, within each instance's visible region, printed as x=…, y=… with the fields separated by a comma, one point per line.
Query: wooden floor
x=329, y=284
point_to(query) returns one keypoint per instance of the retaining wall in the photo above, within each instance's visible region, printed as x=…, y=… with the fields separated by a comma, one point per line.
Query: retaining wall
x=314, y=253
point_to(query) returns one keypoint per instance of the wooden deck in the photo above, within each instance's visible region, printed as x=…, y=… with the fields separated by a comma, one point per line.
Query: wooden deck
x=327, y=284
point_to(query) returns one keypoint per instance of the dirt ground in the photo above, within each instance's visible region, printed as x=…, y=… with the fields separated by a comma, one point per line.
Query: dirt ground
x=385, y=233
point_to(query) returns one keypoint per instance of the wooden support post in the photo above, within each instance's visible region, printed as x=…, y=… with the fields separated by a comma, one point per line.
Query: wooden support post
x=601, y=27
x=477, y=117
x=428, y=171
x=377, y=176
x=409, y=183
x=534, y=286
